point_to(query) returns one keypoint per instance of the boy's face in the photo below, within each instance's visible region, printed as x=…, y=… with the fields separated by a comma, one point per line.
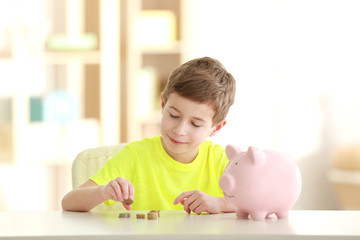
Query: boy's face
x=185, y=125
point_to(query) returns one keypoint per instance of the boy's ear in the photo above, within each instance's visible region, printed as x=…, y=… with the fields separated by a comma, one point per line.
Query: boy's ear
x=162, y=102
x=217, y=128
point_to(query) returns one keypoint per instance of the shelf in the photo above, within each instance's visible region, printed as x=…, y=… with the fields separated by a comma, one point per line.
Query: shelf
x=175, y=48
x=88, y=57
x=62, y=58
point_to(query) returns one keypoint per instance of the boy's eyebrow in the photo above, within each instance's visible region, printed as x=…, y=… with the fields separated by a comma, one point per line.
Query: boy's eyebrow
x=174, y=108
x=197, y=118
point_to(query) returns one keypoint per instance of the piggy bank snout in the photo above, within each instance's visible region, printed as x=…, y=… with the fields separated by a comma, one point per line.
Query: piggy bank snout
x=227, y=182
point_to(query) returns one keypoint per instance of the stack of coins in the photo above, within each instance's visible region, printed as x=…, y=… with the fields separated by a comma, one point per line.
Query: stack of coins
x=152, y=216
x=156, y=211
x=124, y=215
x=140, y=216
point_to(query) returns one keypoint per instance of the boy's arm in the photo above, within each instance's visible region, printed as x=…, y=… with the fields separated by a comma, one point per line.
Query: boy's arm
x=198, y=202
x=84, y=198
x=89, y=195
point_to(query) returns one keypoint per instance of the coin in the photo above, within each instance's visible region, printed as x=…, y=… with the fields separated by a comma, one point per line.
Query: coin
x=128, y=201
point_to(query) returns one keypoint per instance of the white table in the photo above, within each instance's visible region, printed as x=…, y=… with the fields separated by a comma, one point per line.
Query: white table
x=177, y=225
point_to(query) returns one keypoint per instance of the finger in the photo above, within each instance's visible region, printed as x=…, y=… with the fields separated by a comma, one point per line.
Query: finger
x=188, y=203
x=193, y=201
x=116, y=191
x=128, y=193
x=198, y=209
x=131, y=190
x=128, y=189
x=127, y=207
x=123, y=183
x=182, y=196
x=196, y=206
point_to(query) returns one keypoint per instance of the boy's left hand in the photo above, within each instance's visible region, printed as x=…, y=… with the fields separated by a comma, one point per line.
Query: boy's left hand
x=198, y=202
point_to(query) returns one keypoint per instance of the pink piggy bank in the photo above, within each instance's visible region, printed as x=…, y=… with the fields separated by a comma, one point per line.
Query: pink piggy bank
x=259, y=183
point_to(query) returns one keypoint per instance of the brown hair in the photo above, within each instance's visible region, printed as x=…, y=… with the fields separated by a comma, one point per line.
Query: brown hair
x=204, y=80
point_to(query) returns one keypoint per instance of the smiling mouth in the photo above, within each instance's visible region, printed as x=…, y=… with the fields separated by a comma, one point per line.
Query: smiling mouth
x=229, y=196
x=176, y=142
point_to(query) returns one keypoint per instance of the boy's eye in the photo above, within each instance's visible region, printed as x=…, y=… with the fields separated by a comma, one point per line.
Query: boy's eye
x=173, y=116
x=195, y=125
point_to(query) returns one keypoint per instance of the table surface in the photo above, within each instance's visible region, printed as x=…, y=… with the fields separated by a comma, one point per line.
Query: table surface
x=178, y=225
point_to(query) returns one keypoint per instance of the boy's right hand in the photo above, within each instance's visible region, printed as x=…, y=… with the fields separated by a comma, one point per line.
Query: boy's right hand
x=118, y=189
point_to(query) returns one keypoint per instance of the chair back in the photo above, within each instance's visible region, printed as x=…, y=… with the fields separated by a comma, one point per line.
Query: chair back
x=88, y=162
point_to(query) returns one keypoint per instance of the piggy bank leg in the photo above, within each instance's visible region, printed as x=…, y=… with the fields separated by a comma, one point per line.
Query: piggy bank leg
x=282, y=214
x=258, y=215
x=241, y=214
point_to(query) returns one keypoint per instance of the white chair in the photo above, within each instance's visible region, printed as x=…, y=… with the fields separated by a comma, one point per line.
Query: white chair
x=88, y=162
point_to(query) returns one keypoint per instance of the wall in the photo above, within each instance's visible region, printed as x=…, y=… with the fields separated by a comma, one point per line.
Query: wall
x=296, y=65
x=297, y=69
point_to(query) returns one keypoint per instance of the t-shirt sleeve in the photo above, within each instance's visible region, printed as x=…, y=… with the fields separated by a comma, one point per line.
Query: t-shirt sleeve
x=221, y=159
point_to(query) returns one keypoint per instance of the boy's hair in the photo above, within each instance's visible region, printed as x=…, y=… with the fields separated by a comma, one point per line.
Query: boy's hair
x=204, y=80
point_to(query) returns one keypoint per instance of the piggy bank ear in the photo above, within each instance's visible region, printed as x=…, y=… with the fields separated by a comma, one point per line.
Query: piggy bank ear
x=256, y=155
x=232, y=151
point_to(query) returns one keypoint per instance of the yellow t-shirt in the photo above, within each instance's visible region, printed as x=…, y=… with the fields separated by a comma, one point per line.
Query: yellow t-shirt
x=158, y=179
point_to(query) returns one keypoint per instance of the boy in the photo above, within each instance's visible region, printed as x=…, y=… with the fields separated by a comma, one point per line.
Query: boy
x=180, y=166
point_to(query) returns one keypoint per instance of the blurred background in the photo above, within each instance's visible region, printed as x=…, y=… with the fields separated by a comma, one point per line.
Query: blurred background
x=78, y=74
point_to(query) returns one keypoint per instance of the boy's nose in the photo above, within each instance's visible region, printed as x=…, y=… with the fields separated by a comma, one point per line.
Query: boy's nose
x=180, y=129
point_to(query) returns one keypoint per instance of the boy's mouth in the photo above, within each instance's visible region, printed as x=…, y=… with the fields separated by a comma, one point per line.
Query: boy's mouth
x=176, y=142
x=229, y=196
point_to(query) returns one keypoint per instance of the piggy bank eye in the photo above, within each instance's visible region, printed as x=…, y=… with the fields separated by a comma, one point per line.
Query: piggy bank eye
x=236, y=163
